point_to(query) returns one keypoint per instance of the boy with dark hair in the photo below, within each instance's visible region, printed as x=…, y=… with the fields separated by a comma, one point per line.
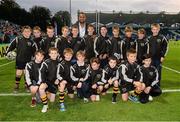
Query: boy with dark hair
x=150, y=79
x=95, y=75
x=48, y=79
x=128, y=42
x=79, y=74
x=158, y=47
x=141, y=45
x=130, y=76
x=102, y=46
x=110, y=77
x=89, y=42
x=63, y=75
x=25, y=48
x=32, y=75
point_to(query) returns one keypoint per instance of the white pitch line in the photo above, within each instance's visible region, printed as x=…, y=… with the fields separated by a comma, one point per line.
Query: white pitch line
x=171, y=69
x=28, y=94
x=6, y=64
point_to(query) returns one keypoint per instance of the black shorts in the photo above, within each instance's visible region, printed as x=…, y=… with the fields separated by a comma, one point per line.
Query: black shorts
x=126, y=87
x=20, y=65
x=70, y=86
x=52, y=88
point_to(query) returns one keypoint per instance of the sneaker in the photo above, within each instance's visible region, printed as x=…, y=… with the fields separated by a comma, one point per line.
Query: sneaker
x=44, y=109
x=133, y=99
x=62, y=107
x=150, y=98
x=33, y=103
x=85, y=100
x=113, y=100
x=97, y=98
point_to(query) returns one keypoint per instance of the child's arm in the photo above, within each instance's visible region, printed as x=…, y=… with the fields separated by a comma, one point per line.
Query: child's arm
x=86, y=76
x=122, y=71
x=42, y=72
x=59, y=73
x=72, y=71
x=164, y=48
x=116, y=77
x=156, y=78
x=96, y=45
x=12, y=45
x=103, y=79
x=28, y=74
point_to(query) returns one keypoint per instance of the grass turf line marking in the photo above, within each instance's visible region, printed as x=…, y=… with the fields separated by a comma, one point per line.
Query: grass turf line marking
x=6, y=64
x=28, y=94
x=171, y=69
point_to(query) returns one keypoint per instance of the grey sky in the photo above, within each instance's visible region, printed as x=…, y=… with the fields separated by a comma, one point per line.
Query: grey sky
x=104, y=5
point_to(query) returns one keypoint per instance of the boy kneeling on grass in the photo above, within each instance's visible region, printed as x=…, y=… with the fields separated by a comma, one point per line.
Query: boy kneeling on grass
x=48, y=79
x=150, y=79
x=130, y=77
x=32, y=76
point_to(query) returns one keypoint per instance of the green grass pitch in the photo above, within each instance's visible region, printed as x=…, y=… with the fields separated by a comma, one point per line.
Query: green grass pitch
x=163, y=108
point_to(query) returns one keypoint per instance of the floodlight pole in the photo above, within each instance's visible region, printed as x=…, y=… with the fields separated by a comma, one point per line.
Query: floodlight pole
x=70, y=12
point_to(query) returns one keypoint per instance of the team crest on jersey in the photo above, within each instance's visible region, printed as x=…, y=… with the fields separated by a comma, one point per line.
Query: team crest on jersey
x=158, y=40
x=83, y=71
x=52, y=43
x=98, y=75
x=142, y=44
x=151, y=73
x=29, y=44
x=78, y=42
x=132, y=43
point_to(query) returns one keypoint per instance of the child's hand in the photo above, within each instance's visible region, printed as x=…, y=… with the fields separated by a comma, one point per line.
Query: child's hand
x=162, y=59
x=81, y=79
x=106, y=86
x=137, y=83
x=110, y=81
x=79, y=85
x=94, y=86
x=56, y=82
x=147, y=90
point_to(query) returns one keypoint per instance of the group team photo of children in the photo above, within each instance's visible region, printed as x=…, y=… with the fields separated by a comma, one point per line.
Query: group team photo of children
x=87, y=65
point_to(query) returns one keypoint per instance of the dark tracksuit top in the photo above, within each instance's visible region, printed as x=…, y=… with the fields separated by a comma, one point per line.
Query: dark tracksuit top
x=158, y=46
x=63, y=71
x=77, y=72
x=63, y=43
x=32, y=73
x=48, y=43
x=127, y=43
x=150, y=75
x=95, y=76
x=116, y=47
x=77, y=44
x=38, y=42
x=48, y=71
x=25, y=48
x=102, y=45
x=89, y=46
x=142, y=47
x=130, y=72
x=109, y=73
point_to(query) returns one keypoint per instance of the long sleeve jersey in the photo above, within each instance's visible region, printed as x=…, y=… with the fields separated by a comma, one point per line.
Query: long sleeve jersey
x=110, y=73
x=63, y=71
x=79, y=71
x=89, y=46
x=116, y=47
x=32, y=73
x=150, y=75
x=25, y=48
x=158, y=46
x=127, y=43
x=102, y=45
x=95, y=76
x=130, y=72
x=48, y=71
